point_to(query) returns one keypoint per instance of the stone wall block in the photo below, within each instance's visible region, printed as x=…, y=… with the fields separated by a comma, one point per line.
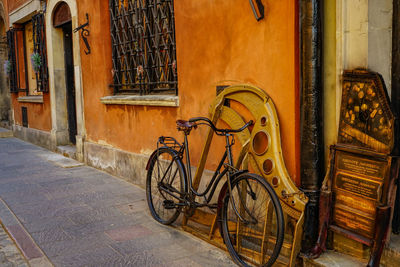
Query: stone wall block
x=34, y=136
x=355, y=21
x=131, y=167
x=101, y=157
x=61, y=114
x=355, y=34
x=380, y=38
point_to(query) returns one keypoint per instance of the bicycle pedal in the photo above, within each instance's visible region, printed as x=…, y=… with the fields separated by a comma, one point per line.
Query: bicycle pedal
x=169, y=204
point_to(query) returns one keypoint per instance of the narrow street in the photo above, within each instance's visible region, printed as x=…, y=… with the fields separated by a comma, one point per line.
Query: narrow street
x=63, y=213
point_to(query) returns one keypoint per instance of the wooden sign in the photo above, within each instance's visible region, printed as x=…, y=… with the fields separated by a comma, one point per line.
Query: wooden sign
x=358, y=189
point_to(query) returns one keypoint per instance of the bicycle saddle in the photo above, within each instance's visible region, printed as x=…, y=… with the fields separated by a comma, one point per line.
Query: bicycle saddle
x=182, y=124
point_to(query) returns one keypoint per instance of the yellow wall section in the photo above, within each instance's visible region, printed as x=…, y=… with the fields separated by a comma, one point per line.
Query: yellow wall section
x=329, y=76
x=218, y=42
x=29, y=52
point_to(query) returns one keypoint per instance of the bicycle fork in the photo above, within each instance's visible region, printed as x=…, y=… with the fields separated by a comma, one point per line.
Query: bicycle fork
x=252, y=194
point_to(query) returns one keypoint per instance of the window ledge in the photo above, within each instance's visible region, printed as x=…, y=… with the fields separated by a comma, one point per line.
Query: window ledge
x=142, y=100
x=31, y=99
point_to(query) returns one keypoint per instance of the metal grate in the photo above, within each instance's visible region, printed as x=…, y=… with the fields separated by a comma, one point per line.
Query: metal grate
x=39, y=45
x=12, y=73
x=24, y=116
x=143, y=46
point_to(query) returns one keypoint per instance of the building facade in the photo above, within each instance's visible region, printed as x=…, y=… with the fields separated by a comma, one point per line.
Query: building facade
x=115, y=124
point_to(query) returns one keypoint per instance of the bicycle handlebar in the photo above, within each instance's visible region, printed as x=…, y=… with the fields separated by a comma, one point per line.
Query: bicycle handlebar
x=211, y=124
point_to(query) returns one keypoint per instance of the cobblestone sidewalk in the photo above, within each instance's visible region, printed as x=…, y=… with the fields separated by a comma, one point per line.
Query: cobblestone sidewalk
x=65, y=214
x=10, y=256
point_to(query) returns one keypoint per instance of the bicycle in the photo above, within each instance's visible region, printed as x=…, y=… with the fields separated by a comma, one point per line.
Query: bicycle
x=250, y=214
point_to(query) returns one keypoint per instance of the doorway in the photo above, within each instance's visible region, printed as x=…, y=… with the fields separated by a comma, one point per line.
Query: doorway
x=69, y=81
x=63, y=62
x=65, y=79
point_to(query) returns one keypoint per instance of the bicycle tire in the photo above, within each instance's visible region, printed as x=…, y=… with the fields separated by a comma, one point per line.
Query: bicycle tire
x=257, y=241
x=165, y=160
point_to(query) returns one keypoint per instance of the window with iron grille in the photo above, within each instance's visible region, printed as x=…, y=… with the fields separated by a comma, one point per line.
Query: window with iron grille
x=24, y=41
x=11, y=65
x=39, y=46
x=17, y=60
x=143, y=46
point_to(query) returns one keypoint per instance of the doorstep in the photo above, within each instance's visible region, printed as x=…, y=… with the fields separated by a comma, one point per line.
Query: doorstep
x=67, y=151
x=331, y=258
x=390, y=257
x=4, y=133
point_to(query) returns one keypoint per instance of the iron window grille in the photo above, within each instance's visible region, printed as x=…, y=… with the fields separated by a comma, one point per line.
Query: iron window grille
x=39, y=46
x=12, y=73
x=143, y=46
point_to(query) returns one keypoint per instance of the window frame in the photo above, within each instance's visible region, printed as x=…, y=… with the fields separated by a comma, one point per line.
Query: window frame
x=143, y=57
x=12, y=75
x=39, y=46
x=16, y=61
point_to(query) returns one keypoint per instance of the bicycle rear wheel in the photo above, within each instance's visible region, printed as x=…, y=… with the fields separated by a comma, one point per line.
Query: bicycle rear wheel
x=254, y=232
x=165, y=174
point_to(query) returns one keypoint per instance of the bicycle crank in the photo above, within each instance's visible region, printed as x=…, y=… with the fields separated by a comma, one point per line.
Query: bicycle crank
x=169, y=204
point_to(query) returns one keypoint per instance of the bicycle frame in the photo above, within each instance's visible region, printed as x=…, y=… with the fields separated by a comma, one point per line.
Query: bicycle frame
x=229, y=170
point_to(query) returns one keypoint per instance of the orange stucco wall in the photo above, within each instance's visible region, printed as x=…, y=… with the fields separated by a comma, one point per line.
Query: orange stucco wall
x=39, y=114
x=218, y=42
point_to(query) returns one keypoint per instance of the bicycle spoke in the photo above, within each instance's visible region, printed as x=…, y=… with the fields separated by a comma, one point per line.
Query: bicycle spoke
x=254, y=240
x=243, y=205
x=173, y=177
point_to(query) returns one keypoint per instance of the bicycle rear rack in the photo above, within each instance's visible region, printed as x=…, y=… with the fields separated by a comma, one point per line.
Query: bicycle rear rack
x=170, y=142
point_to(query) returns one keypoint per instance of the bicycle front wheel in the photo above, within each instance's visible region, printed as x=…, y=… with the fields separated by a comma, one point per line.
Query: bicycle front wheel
x=252, y=221
x=165, y=182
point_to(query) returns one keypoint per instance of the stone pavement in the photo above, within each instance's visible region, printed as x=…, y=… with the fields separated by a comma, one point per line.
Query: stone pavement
x=64, y=214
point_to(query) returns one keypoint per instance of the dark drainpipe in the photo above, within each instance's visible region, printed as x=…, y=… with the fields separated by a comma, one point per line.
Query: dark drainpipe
x=311, y=158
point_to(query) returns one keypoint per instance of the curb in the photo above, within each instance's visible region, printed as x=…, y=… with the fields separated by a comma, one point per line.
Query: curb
x=25, y=243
